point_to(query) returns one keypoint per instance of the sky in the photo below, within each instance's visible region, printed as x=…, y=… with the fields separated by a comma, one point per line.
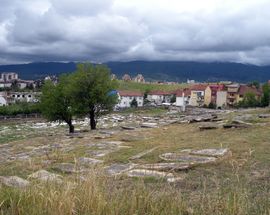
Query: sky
x=127, y=30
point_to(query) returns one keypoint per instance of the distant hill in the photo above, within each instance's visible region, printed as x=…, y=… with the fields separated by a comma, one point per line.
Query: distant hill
x=155, y=70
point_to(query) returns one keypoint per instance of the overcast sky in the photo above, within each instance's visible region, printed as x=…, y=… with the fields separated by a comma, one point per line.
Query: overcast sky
x=125, y=30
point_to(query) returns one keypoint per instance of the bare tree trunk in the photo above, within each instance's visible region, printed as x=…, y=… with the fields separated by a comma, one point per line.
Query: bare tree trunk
x=93, y=124
x=71, y=127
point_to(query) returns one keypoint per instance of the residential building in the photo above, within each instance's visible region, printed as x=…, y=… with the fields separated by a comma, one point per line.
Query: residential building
x=197, y=95
x=3, y=99
x=159, y=97
x=221, y=100
x=126, y=97
x=139, y=78
x=183, y=97
x=113, y=77
x=210, y=96
x=126, y=77
x=7, y=79
x=30, y=97
x=244, y=89
x=232, y=94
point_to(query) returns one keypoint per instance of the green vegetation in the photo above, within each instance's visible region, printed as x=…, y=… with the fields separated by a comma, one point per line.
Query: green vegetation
x=249, y=101
x=266, y=95
x=84, y=92
x=238, y=185
x=56, y=102
x=90, y=89
x=146, y=87
x=19, y=108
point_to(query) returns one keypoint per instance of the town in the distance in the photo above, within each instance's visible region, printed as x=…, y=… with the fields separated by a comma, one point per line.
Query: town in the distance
x=220, y=95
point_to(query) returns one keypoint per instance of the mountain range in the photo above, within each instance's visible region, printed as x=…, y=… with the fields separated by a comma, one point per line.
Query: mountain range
x=154, y=70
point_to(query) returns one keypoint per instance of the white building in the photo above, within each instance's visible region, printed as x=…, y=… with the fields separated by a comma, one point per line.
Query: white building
x=126, y=97
x=9, y=78
x=3, y=99
x=23, y=97
x=182, y=97
x=159, y=97
x=139, y=78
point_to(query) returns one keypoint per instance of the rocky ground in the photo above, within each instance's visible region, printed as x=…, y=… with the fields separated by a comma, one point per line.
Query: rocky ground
x=169, y=146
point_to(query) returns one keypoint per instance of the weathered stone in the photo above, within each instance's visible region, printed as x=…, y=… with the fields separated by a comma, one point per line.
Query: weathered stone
x=125, y=127
x=45, y=176
x=152, y=173
x=99, y=153
x=191, y=159
x=166, y=166
x=116, y=169
x=138, y=156
x=264, y=116
x=235, y=125
x=212, y=152
x=88, y=161
x=208, y=127
x=149, y=125
x=14, y=181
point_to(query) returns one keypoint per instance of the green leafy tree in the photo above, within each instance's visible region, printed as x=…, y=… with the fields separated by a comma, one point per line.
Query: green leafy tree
x=254, y=84
x=266, y=95
x=134, y=103
x=56, y=102
x=90, y=90
x=173, y=99
x=249, y=100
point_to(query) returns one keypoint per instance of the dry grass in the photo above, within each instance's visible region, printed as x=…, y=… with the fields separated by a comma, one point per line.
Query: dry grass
x=236, y=186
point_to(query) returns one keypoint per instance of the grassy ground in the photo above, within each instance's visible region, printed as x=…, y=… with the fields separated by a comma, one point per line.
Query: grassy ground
x=239, y=185
x=143, y=87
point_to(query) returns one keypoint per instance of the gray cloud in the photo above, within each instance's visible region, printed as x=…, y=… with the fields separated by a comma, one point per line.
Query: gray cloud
x=106, y=30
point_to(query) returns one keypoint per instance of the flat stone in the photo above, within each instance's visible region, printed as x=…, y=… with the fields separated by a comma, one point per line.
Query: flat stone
x=14, y=181
x=235, y=125
x=116, y=169
x=208, y=127
x=125, y=127
x=99, y=153
x=149, y=125
x=191, y=159
x=166, y=166
x=169, y=177
x=88, y=161
x=263, y=116
x=212, y=152
x=45, y=176
x=138, y=156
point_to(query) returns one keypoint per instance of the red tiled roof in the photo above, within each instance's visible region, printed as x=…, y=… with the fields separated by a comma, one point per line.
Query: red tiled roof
x=217, y=87
x=199, y=87
x=243, y=89
x=130, y=93
x=186, y=91
x=160, y=93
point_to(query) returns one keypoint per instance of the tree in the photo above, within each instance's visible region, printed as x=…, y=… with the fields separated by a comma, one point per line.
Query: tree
x=249, y=100
x=90, y=90
x=134, y=103
x=266, y=95
x=56, y=102
x=173, y=99
x=254, y=84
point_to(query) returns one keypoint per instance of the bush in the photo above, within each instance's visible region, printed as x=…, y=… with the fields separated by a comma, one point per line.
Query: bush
x=19, y=108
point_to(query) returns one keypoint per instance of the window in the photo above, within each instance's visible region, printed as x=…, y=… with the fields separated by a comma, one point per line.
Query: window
x=23, y=96
x=18, y=96
x=29, y=96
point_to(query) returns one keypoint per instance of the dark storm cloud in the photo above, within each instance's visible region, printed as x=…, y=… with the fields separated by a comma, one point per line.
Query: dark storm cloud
x=105, y=30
